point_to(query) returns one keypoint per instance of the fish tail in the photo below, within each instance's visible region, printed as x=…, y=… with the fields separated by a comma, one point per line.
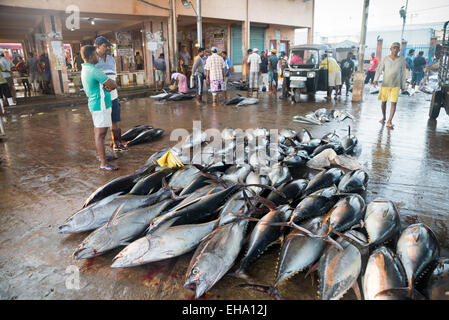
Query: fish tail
x=272, y=291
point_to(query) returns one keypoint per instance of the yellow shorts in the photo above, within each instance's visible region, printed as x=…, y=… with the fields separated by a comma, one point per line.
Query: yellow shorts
x=386, y=93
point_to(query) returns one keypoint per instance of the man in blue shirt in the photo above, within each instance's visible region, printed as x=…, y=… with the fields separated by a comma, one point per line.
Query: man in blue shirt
x=227, y=70
x=106, y=63
x=97, y=86
x=418, y=68
x=409, y=59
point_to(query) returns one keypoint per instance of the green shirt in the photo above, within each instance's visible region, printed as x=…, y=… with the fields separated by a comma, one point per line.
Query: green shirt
x=93, y=80
x=273, y=60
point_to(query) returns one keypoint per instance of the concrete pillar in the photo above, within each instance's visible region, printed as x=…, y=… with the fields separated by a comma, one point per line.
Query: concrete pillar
x=55, y=51
x=155, y=26
x=245, y=42
x=379, y=48
x=357, y=90
x=309, y=35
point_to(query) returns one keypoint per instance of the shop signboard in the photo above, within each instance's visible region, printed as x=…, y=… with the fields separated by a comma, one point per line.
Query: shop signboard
x=58, y=53
x=124, y=43
x=154, y=41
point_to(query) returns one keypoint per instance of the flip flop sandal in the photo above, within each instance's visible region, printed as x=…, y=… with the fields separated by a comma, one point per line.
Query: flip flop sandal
x=121, y=148
x=109, y=167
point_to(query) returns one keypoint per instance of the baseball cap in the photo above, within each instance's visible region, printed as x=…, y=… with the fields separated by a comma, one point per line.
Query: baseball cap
x=395, y=44
x=100, y=40
x=214, y=49
x=2, y=54
x=255, y=50
x=283, y=52
x=273, y=51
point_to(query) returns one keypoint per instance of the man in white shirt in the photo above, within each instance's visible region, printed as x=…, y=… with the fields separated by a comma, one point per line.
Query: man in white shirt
x=106, y=63
x=393, y=68
x=9, y=66
x=255, y=63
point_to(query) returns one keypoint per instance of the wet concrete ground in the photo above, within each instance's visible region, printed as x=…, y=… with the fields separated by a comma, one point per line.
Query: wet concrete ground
x=49, y=168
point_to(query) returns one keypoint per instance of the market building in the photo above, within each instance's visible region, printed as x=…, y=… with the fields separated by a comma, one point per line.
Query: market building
x=60, y=28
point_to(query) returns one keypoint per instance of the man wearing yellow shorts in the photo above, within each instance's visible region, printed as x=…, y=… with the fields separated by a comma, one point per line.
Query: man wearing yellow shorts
x=393, y=67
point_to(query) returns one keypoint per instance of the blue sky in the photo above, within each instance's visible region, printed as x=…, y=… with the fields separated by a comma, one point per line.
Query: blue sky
x=346, y=15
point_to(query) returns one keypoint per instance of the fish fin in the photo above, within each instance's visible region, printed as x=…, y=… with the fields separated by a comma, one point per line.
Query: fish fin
x=356, y=289
x=312, y=269
x=116, y=212
x=146, y=169
x=333, y=242
x=270, y=290
x=107, y=199
x=363, y=248
x=304, y=230
x=267, y=203
x=214, y=178
x=241, y=275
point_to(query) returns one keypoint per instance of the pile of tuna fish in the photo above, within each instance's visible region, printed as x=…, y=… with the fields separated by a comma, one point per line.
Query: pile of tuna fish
x=259, y=148
x=141, y=134
x=322, y=116
x=159, y=213
x=172, y=96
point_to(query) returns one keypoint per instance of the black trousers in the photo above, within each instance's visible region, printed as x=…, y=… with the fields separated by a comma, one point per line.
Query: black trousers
x=199, y=81
x=370, y=76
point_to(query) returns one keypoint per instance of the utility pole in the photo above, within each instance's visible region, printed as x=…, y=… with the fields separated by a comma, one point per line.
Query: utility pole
x=357, y=90
x=199, y=24
x=403, y=14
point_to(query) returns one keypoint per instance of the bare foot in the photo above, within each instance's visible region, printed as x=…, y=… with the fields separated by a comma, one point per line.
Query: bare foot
x=382, y=120
x=390, y=125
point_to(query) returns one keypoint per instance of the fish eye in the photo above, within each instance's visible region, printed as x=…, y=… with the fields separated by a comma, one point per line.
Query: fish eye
x=195, y=271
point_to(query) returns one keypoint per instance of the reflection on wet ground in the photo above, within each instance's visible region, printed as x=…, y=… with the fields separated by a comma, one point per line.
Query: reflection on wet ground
x=49, y=168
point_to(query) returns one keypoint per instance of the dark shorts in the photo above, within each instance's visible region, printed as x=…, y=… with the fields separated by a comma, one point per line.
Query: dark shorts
x=115, y=115
x=4, y=91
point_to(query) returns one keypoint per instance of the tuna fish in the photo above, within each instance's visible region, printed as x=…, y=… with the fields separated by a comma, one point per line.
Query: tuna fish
x=98, y=214
x=438, y=286
x=291, y=190
x=298, y=252
x=194, y=139
x=120, y=230
x=120, y=184
x=382, y=221
x=235, y=100
x=297, y=159
x=174, y=242
x=336, y=146
x=151, y=183
x=214, y=257
x=324, y=179
x=349, y=142
x=263, y=235
x=146, y=136
x=345, y=213
x=338, y=270
x=197, y=209
x=418, y=250
x=383, y=271
x=279, y=174
x=247, y=101
x=314, y=205
x=182, y=177
x=134, y=132
x=354, y=181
